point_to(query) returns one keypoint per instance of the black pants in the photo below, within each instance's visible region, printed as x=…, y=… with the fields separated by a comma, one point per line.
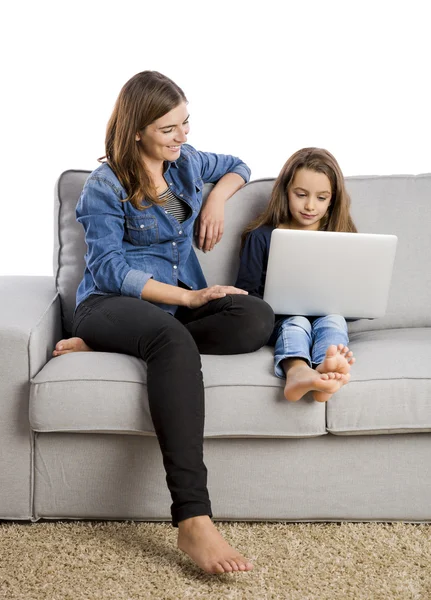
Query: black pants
x=171, y=347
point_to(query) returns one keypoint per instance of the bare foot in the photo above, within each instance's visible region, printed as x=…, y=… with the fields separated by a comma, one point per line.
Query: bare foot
x=199, y=538
x=74, y=344
x=324, y=396
x=300, y=379
x=338, y=359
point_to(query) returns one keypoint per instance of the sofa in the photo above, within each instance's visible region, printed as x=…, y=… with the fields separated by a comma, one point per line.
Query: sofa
x=76, y=437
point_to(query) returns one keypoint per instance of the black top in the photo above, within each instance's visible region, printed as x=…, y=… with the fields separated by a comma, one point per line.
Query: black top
x=254, y=261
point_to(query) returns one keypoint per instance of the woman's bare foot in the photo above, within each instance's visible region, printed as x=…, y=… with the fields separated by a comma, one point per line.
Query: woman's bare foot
x=199, y=538
x=74, y=344
x=338, y=359
x=300, y=379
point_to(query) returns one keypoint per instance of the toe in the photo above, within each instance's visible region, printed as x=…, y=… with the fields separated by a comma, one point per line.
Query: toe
x=61, y=352
x=227, y=567
x=64, y=345
x=233, y=564
x=59, y=345
x=216, y=569
x=244, y=564
x=331, y=351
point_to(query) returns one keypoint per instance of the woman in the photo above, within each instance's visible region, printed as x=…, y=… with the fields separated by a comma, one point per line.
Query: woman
x=143, y=292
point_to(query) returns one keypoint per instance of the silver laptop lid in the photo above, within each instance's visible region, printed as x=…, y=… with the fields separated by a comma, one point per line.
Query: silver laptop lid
x=319, y=273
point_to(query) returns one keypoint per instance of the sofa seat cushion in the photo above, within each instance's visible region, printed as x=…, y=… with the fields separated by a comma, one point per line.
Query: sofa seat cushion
x=390, y=388
x=107, y=393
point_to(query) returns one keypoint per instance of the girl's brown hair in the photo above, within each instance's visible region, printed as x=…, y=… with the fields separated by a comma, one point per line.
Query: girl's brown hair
x=277, y=213
x=144, y=98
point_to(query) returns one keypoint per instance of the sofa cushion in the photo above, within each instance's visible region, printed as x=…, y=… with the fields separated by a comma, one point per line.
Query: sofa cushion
x=390, y=388
x=106, y=392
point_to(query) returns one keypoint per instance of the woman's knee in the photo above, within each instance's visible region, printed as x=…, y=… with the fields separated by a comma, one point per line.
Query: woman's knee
x=256, y=323
x=171, y=340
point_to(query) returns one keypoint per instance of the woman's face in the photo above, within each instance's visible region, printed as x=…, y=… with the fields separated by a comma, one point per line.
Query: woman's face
x=309, y=197
x=162, y=139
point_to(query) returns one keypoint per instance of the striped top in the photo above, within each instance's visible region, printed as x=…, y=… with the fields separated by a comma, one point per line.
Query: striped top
x=174, y=206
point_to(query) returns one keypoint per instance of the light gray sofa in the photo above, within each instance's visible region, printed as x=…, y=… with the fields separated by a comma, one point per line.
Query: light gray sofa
x=76, y=439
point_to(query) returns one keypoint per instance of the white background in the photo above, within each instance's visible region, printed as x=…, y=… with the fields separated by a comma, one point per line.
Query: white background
x=263, y=80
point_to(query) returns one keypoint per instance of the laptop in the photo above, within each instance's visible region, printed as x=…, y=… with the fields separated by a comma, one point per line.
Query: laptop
x=316, y=273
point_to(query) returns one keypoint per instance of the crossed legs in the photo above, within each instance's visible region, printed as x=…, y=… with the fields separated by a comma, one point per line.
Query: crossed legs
x=171, y=348
x=313, y=356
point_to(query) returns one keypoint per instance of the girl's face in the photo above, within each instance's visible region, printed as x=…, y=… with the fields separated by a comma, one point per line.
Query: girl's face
x=309, y=195
x=162, y=139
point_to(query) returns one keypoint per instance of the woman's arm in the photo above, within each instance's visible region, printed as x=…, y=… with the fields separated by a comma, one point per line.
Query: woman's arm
x=100, y=211
x=230, y=174
x=210, y=223
x=156, y=291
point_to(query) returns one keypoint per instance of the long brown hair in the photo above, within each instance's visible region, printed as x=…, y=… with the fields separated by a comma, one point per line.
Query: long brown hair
x=146, y=97
x=277, y=213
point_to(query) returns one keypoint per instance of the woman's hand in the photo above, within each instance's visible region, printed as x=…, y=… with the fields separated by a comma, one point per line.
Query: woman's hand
x=195, y=299
x=210, y=224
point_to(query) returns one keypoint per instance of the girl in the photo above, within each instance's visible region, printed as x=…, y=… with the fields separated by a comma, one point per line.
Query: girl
x=309, y=194
x=143, y=292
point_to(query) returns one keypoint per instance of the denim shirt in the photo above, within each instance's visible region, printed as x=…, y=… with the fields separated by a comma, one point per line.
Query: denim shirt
x=126, y=246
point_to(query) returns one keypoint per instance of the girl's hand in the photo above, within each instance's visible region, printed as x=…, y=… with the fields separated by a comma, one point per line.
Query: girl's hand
x=195, y=299
x=210, y=224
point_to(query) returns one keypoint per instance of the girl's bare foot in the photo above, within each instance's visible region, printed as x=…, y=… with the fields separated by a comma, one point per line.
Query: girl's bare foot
x=74, y=344
x=324, y=396
x=300, y=379
x=338, y=359
x=199, y=538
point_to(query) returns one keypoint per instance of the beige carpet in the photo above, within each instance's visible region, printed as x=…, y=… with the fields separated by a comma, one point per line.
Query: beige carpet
x=87, y=560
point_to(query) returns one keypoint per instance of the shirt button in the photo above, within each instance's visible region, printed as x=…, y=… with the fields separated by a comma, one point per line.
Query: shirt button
x=173, y=244
x=142, y=226
x=180, y=231
x=171, y=183
x=181, y=195
x=175, y=267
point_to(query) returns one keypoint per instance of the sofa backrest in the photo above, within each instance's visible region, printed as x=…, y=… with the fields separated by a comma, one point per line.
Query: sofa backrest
x=399, y=204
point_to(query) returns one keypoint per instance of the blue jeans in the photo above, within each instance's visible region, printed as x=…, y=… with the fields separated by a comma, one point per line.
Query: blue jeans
x=307, y=338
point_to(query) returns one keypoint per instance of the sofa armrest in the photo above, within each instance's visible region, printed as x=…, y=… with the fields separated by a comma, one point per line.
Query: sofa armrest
x=30, y=325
